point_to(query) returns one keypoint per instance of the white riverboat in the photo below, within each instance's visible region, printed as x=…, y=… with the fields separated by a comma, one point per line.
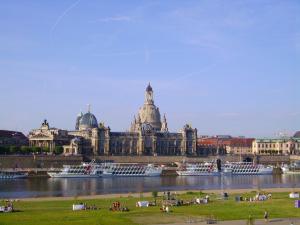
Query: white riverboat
x=12, y=175
x=96, y=170
x=293, y=168
x=229, y=168
x=198, y=169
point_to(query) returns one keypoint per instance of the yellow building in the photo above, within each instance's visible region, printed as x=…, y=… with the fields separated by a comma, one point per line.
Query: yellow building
x=277, y=146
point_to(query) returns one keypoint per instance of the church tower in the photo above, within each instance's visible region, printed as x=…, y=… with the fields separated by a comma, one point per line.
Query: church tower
x=149, y=95
x=148, y=114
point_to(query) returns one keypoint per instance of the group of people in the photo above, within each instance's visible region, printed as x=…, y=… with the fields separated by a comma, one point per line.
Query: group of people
x=258, y=197
x=116, y=206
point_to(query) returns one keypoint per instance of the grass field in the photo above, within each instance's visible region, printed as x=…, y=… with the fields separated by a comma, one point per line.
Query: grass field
x=59, y=211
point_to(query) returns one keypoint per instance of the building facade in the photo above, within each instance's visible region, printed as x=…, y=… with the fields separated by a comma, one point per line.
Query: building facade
x=278, y=146
x=47, y=137
x=148, y=135
x=224, y=144
x=240, y=146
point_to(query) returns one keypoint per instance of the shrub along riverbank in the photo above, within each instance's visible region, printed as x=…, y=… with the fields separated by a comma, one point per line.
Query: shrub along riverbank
x=51, y=212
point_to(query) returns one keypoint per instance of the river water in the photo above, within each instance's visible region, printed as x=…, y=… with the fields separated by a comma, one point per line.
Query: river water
x=42, y=187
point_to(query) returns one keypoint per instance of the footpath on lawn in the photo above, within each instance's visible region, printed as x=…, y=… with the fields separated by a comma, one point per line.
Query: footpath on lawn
x=58, y=210
x=279, y=221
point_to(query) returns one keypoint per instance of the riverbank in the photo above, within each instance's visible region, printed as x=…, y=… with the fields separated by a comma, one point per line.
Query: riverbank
x=149, y=194
x=39, y=211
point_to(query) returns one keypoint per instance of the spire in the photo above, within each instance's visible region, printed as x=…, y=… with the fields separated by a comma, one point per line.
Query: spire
x=149, y=88
x=89, y=107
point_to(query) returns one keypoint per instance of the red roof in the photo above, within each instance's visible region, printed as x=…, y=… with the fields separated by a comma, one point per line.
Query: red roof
x=214, y=141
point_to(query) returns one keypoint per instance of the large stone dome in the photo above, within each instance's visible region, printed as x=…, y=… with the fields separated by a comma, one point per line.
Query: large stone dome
x=297, y=134
x=88, y=121
x=150, y=114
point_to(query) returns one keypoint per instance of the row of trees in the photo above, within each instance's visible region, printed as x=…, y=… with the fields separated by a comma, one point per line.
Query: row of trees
x=25, y=150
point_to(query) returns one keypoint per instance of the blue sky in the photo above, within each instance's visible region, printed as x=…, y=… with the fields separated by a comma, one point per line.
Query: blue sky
x=226, y=67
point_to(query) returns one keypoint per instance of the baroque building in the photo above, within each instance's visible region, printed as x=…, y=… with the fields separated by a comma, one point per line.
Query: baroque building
x=277, y=146
x=148, y=135
x=48, y=137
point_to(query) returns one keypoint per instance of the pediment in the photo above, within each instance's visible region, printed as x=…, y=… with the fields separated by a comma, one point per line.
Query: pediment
x=40, y=136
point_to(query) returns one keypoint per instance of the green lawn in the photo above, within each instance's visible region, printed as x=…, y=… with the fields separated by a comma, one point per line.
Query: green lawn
x=59, y=212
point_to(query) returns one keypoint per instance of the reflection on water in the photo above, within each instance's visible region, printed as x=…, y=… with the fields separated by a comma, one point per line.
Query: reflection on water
x=36, y=187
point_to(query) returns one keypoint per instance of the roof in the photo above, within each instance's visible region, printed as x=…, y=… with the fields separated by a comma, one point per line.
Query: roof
x=236, y=141
x=88, y=120
x=11, y=134
x=297, y=134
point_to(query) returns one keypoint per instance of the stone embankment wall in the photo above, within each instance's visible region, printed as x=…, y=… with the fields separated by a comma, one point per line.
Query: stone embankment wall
x=273, y=159
x=45, y=161
x=162, y=159
x=33, y=161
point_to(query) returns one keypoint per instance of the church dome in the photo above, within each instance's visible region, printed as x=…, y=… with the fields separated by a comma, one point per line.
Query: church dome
x=150, y=114
x=88, y=121
x=297, y=134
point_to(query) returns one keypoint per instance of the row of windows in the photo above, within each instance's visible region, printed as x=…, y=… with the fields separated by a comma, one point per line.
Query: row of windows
x=281, y=145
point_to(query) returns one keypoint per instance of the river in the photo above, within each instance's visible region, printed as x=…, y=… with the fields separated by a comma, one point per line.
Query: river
x=50, y=187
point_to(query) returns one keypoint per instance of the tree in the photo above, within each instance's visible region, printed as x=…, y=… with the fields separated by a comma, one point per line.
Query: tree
x=46, y=149
x=4, y=150
x=36, y=149
x=58, y=150
x=25, y=149
x=14, y=149
x=154, y=195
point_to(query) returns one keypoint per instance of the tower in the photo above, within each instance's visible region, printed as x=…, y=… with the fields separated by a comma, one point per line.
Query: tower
x=164, y=126
x=149, y=95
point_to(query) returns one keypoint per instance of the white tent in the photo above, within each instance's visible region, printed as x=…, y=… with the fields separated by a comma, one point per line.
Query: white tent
x=77, y=207
x=142, y=204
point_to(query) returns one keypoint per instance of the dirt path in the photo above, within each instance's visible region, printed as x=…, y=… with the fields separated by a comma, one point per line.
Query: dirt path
x=285, y=221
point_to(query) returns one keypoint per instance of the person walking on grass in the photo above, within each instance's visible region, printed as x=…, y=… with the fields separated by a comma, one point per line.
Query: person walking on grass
x=266, y=216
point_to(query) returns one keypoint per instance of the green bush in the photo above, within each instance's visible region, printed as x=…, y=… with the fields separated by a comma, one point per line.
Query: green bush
x=58, y=150
x=14, y=149
x=25, y=149
x=36, y=149
x=4, y=150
